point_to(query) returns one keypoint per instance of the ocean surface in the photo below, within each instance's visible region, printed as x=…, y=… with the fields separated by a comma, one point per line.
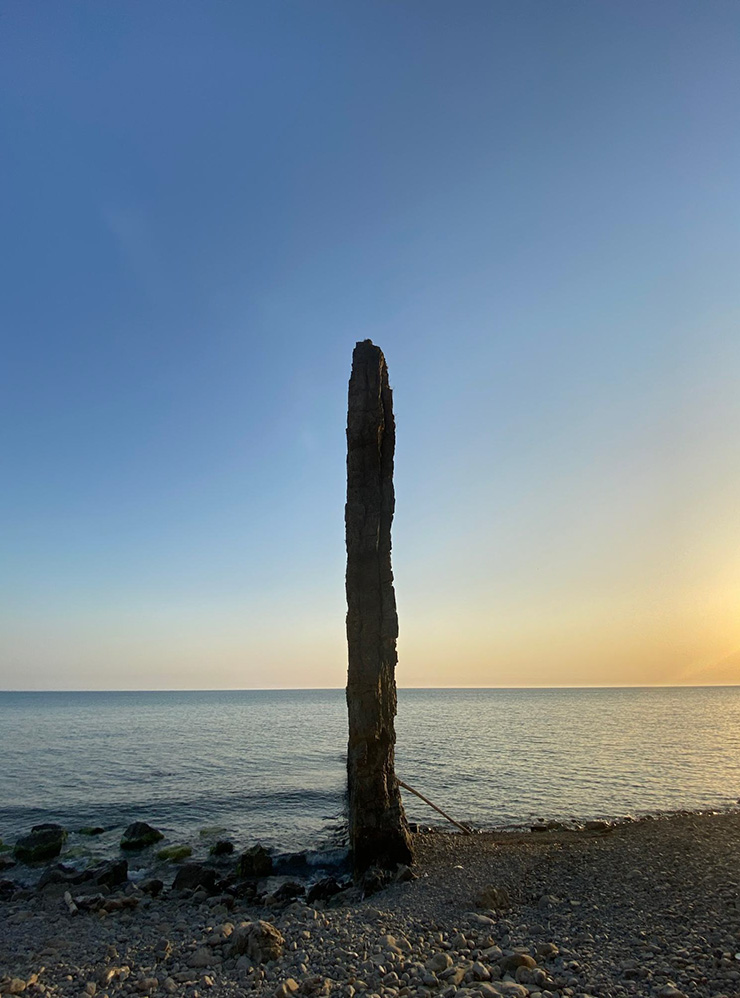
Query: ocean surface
x=269, y=766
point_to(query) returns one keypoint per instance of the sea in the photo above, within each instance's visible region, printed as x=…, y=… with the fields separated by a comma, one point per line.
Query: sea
x=269, y=765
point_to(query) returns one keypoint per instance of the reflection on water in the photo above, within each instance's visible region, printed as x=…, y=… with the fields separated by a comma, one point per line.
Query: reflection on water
x=270, y=764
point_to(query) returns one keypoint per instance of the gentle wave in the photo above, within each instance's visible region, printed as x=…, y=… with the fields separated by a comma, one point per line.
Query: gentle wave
x=270, y=765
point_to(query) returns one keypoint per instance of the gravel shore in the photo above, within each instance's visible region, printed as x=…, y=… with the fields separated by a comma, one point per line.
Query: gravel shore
x=639, y=908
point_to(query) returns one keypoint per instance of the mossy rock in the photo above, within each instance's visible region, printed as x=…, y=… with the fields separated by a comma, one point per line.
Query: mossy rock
x=4, y=847
x=90, y=830
x=210, y=831
x=44, y=842
x=175, y=853
x=139, y=835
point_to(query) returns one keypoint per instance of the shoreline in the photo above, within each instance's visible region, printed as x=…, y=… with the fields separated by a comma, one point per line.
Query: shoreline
x=325, y=858
x=645, y=907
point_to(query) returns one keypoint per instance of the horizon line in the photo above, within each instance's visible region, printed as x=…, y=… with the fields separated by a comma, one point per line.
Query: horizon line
x=339, y=689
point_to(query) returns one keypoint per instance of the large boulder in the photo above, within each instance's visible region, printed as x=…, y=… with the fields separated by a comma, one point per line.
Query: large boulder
x=260, y=941
x=44, y=842
x=194, y=875
x=255, y=862
x=139, y=835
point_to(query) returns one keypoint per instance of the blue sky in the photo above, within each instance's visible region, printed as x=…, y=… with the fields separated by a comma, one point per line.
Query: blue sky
x=531, y=207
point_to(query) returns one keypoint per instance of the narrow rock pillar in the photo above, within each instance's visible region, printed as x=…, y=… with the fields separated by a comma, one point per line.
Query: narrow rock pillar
x=378, y=832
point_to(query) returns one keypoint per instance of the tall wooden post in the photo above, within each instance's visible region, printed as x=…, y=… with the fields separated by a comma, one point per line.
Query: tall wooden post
x=379, y=834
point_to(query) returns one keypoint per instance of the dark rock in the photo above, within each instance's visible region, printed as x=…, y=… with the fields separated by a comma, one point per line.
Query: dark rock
x=289, y=890
x=139, y=835
x=91, y=830
x=7, y=889
x=59, y=874
x=322, y=890
x=193, y=875
x=374, y=879
x=597, y=826
x=222, y=848
x=44, y=842
x=255, y=862
x=6, y=863
x=247, y=890
x=151, y=886
x=404, y=874
x=111, y=874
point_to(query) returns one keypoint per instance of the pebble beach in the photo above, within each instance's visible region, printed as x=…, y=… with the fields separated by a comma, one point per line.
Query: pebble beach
x=646, y=907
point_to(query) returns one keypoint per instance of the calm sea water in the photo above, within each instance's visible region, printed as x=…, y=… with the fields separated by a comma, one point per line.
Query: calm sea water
x=269, y=765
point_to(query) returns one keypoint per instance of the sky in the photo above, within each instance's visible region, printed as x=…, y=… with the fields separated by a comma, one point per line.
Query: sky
x=532, y=208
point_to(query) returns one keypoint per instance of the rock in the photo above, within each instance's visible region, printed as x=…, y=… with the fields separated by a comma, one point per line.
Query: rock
x=669, y=990
x=194, y=875
x=479, y=972
x=288, y=891
x=597, y=826
x=374, y=879
x=111, y=874
x=203, y=957
x=44, y=842
x=139, y=835
x=222, y=848
x=16, y=987
x=316, y=987
x=493, y=897
x=547, y=950
x=404, y=874
x=255, y=862
x=6, y=863
x=90, y=830
x=512, y=990
x=260, y=941
x=509, y=964
x=175, y=853
x=438, y=962
x=287, y=989
x=7, y=889
x=60, y=874
x=455, y=976
x=151, y=886
x=322, y=890
x=488, y=990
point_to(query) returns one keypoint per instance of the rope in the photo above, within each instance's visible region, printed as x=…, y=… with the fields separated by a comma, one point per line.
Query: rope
x=463, y=828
